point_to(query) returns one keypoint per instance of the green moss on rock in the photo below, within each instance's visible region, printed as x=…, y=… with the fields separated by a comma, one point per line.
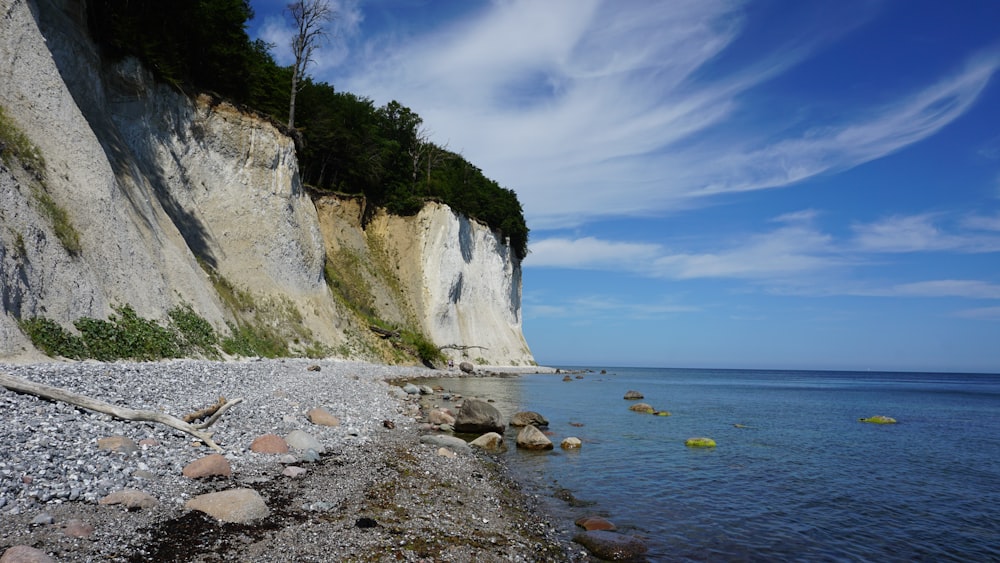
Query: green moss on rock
x=878, y=419
x=700, y=442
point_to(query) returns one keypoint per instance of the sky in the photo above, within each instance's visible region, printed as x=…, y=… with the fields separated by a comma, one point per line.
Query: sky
x=770, y=184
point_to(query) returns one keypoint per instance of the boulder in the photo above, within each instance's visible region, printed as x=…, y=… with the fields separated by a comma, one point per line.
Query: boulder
x=426, y=390
x=700, y=442
x=440, y=416
x=479, y=417
x=411, y=389
x=525, y=418
x=531, y=438
x=25, y=554
x=466, y=367
x=322, y=417
x=132, y=499
x=611, y=546
x=76, y=528
x=595, y=523
x=571, y=443
x=878, y=419
x=299, y=440
x=238, y=506
x=643, y=408
x=491, y=442
x=214, y=465
x=294, y=471
x=633, y=395
x=567, y=378
x=269, y=444
x=456, y=444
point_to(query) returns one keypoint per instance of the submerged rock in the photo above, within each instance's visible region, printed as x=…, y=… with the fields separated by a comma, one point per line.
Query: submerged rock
x=611, y=545
x=878, y=419
x=595, y=523
x=633, y=395
x=700, y=442
x=643, y=408
x=491, y=442
x=571, y=443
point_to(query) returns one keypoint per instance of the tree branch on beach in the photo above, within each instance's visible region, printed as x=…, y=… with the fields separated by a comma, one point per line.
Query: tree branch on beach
x=43, y=391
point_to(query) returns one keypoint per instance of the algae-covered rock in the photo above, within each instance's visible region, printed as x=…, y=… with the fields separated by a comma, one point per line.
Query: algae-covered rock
x=662, y=413
x=878, y=419
x=643, y=408
x=700, y=442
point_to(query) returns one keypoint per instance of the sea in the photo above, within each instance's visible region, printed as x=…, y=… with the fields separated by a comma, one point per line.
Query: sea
x=794, y=475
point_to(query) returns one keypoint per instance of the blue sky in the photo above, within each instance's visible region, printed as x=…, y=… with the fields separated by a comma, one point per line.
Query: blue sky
x=717, y=183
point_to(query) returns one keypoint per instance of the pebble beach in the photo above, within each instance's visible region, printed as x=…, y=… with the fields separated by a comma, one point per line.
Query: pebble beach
x=366, y=489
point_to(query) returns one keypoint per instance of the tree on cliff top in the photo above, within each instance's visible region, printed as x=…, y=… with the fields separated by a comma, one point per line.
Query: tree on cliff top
x=310, y=16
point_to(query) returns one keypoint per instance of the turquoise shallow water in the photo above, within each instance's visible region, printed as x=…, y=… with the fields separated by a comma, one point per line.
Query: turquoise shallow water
x=803, y=481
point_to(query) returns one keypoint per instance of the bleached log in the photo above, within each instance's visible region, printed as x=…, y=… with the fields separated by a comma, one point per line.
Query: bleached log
x=21, y=385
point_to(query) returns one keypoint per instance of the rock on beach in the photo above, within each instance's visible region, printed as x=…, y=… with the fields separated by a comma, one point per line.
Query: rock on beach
x=479, y=417
x=611, y=546
x=237, y=506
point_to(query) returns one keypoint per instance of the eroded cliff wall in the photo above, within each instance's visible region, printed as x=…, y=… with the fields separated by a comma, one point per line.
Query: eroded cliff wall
x=177, y=201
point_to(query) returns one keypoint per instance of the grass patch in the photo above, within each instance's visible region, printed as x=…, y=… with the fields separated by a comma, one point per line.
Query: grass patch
x=15, y=145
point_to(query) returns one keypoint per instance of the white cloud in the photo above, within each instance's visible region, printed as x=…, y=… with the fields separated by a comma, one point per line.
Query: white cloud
x=591, y=109
x=971, y=289
x=599, y=307
x=278, y=30
x=589, y=253
x=921, y=233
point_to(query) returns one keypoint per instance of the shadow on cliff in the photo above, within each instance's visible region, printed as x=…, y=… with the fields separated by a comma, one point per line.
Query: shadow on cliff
x=136, y=171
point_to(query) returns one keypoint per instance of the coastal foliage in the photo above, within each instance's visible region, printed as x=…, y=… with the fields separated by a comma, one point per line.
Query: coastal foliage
x=345, y=143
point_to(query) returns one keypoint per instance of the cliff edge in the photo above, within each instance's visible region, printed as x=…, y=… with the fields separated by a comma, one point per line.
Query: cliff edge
x=138, y=195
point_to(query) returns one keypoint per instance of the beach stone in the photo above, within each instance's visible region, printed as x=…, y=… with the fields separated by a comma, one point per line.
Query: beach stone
x=119, y=444
x=294, y=472
x=269, y=444
x=611, y=546
x=426, y=390
x=571, y=443
x=451, y=442
x=213, y=465
x=531, y=438
x=595, y=523
x=440, y=416
x=633, y=395
x=700, y=442
x=148, y=443
x=25, y=554
x=878, y=419
x=76, y=528
x=42, y=519
x=491, y=442
x=322, y=417
x=301, y=440
x=567, y=378
x=132, y=499
x=313, y=367
x=411, y=389
x=238, y=506
x=479, y=417
x=643, y=408
x=445, y=452
x=524, y=418
x=466, y=367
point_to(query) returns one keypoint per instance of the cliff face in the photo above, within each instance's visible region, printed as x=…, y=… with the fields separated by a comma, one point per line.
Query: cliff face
x=178, y=201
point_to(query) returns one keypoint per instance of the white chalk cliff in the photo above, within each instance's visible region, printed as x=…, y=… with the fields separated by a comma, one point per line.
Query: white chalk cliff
x=164, y=190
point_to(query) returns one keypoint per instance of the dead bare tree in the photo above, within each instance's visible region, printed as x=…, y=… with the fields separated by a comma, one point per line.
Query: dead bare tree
x=310, y=32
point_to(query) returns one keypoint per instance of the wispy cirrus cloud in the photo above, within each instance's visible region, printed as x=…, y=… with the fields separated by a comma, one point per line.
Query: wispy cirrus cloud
x=924, y=233
x=592, y=109
x=600, y=307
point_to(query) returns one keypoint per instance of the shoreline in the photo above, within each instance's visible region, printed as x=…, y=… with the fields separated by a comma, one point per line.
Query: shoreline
x=376, y=494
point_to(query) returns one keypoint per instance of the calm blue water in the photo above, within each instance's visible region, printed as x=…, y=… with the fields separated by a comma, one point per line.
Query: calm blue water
x=803, y=481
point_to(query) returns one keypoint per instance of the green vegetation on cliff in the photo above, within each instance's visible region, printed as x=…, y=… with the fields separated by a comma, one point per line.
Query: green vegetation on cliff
x=345, y=143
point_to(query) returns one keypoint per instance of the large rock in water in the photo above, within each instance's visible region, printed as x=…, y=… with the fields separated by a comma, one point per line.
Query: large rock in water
x=525, y=418
x=531, y=438
x=611, y=546
x=479, y=417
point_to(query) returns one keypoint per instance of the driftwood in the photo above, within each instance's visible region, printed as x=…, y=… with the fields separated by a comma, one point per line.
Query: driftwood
x=462, y=348
x=205, y=412
x=383, y=332
x=20, y=385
